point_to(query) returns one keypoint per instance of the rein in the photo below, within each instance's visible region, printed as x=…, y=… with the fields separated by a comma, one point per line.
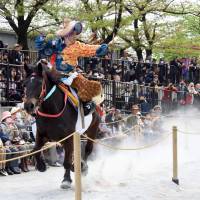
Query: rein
x=43, y=97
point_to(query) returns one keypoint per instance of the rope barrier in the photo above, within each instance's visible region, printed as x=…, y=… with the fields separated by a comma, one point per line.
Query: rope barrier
x=50, y=145
x=113, y=137
x=182, y=117
x=17, y=145
x=17, y=152
x=126, y=149
x=35, y=152
x=188, y=133
x=121, y=135
x=121, y=120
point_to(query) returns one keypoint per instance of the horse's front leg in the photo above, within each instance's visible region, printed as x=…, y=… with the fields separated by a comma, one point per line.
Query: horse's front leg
x=39, y=143
x=68, y=146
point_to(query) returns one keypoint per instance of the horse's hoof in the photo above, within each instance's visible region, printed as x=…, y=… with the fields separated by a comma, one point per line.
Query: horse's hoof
x=84, y=168
x=65, y=185
x=84, y=172
x=72, y=168
x=41, y=166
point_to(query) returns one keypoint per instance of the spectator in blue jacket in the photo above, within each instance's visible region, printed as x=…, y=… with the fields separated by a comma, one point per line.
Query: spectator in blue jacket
x=144, y=105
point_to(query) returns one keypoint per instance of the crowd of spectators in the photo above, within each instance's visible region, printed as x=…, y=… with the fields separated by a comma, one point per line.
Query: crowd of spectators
x=169, y=84
x=170, y=97
x=17, y=138
x=143, y=89
x=116, y=122
x=158, y=82
x=128, y=69
x=11, y=73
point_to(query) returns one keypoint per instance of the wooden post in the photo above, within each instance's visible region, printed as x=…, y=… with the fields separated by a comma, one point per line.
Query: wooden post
x=175, y=156
x=77, y=165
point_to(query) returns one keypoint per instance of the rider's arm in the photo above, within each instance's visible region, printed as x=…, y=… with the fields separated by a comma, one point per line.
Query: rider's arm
x=87, y=50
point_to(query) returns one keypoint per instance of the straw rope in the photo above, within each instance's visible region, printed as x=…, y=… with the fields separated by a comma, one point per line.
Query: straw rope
x=126, y=149
x=17, y=152
x=35, y=152
x=188, y=133
x=121, y=120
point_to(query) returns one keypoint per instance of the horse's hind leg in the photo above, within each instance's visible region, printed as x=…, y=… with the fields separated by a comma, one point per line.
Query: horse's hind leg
x=91, y=133
x=68, y=146
x=87, y=150
x=40, y=163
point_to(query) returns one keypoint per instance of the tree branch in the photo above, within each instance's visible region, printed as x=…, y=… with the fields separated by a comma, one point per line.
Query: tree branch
x=51, y=14
x=116, y=24
x=34, y=10
x=86, y=5
x=8, y=17
x=46, y=25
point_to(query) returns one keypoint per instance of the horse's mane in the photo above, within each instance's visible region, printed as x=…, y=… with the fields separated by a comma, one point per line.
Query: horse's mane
x=40, y=68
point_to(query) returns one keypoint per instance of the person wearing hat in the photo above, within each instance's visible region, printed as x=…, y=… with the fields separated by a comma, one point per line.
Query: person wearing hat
x=16, y=116
x=23, y=122
x=19, y=122
x=65, y=53
x=13, y=166
x=17, y=138
x=157, y=111
x=14, y=110
x=133, y=119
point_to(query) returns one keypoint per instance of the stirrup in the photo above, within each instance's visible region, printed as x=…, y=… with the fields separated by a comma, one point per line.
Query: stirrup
x=88, y=107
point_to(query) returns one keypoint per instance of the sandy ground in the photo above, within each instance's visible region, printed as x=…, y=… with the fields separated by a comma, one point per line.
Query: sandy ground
x=122, y=175
x=143, y=175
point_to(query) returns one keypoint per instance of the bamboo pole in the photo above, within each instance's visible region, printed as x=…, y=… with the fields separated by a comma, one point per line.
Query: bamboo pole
x=175, y=156
x=77, y=165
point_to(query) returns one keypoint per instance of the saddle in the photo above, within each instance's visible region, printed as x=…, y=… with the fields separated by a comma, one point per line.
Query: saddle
x=87, y=89
x=85, y=108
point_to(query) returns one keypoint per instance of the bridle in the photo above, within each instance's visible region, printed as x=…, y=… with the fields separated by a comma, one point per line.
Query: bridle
x=44, y=96
x=42, y=93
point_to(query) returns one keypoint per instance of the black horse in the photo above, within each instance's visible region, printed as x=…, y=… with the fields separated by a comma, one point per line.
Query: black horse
x=39, y=81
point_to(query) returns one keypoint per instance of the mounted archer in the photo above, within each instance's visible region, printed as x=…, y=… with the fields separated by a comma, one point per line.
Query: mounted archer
x=64, y=52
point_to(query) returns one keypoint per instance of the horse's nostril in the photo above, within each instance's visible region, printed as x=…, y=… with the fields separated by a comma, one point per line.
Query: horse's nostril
x=32, y=106
x=33, y=114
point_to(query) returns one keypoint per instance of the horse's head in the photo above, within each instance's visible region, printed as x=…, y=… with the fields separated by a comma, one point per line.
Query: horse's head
x=33, y=87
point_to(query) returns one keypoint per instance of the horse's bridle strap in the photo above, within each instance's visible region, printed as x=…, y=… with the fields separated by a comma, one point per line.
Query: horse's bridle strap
x=53, y=89
x=54, y=115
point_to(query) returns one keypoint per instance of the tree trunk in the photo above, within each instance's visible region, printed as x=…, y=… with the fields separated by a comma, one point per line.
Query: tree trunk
x=139, y=53
x=148, y=52
x=22, y=38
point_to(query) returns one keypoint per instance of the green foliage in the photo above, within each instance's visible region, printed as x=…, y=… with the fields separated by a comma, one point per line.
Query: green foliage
x=192, y=23
x=156, y=29
x=179, y=43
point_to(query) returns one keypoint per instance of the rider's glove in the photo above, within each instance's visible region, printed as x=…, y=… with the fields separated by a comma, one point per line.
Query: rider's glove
x=68, y=81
